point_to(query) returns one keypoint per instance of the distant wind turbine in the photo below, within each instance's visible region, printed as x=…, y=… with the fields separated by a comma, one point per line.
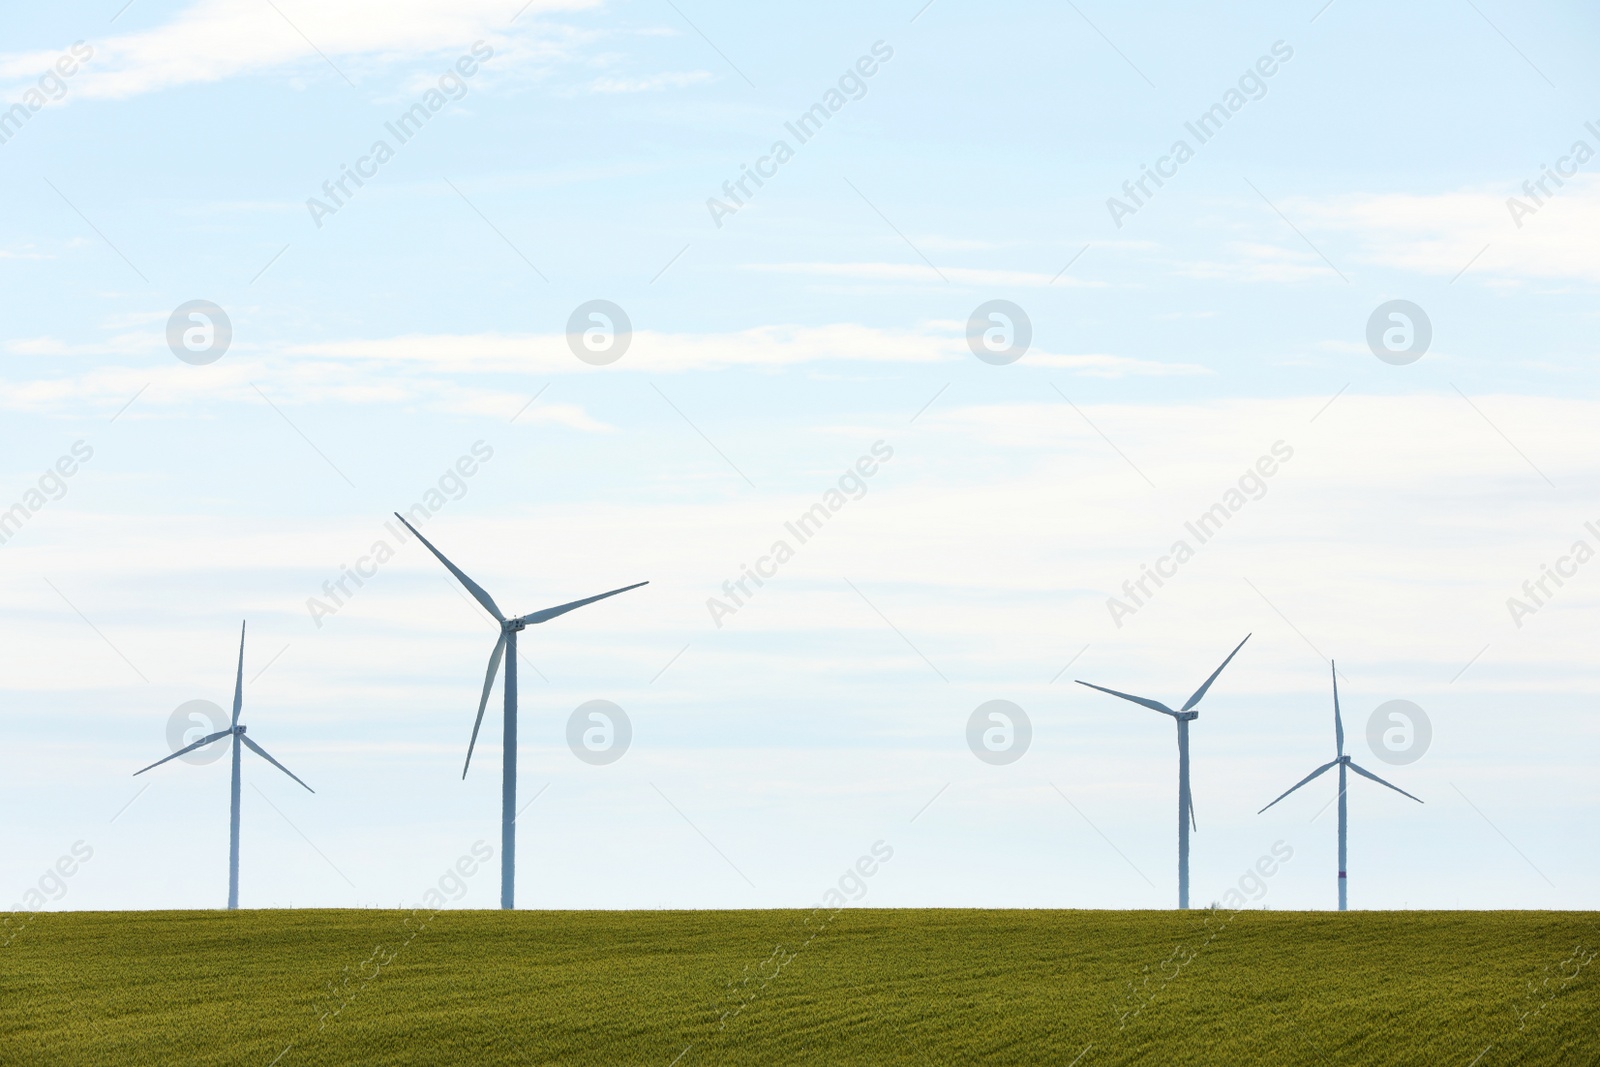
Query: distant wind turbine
x=1341, y=761
x=507, y=648
x=1184, y=715
x=236, y=731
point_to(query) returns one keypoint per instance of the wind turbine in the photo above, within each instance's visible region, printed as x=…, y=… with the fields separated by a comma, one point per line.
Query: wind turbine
x=236, y=731
x=1184, y=715
x=506, y=647
x=1342, y=762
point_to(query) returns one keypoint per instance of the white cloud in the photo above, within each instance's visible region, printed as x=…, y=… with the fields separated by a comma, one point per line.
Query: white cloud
x=1102, y=365
x=655, y=83
x=217, y=39
x=920, y=272
x=1257, y=262
x=1441, y=233
x=433, y=371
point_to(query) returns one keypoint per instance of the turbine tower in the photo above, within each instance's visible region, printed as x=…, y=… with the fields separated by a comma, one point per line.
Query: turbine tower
x=1342, y=762
x=236, y=731
x=507, y=648
x=1184, y=716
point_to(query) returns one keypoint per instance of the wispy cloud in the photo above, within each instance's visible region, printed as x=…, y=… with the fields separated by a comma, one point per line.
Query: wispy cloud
x=1441, y=233
x=482, y=373
x=653, y=84
x=912, y=272
x=218, y=39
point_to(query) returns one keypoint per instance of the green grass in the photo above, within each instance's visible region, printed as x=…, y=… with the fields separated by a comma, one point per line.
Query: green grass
x=868, y=986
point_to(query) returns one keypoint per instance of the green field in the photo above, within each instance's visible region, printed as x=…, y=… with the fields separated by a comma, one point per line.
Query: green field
x=860, y=986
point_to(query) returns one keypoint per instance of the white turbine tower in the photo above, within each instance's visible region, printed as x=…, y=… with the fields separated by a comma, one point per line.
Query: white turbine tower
x=236, y=731
x=1184, y=715
x=507, y=648
x=1342, y=762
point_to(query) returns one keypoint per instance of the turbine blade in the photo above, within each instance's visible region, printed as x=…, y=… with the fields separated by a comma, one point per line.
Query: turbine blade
x=1380, y=781
x=488, y=684
x=1198, y=693
x=472, y=587
x=258, y=750
x=1303, y=781
x=1195, y=825
x=187, y=748
x=1153, y=705
x=1338, y=723
x=238, y=684
x=549, y=613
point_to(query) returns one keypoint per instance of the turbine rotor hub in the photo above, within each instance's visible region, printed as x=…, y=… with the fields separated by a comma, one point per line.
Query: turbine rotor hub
x=513, y=626
x=1188, y=716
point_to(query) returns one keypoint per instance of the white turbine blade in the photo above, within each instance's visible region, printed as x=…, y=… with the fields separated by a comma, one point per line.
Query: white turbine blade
x=1338, y=723
x=1153, y=705
x=1303, y=781
x=1380, y=781
x=549, y=613
x=258, y=750
x=187, y=748
x=488, y=684
x=472, y=587
x=238, y=684
x=1192, y=821
x=1198, y=693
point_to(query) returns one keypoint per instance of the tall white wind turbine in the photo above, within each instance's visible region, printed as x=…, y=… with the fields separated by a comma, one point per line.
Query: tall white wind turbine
x=236, y=731
x=1342, y=762
x=507, y=648
x=1184, y=716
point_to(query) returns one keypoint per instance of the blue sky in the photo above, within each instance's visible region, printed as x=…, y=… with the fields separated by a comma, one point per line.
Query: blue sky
x=768, y=354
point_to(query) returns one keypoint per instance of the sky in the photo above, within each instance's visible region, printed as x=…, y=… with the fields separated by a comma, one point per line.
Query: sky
x=274, y=271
